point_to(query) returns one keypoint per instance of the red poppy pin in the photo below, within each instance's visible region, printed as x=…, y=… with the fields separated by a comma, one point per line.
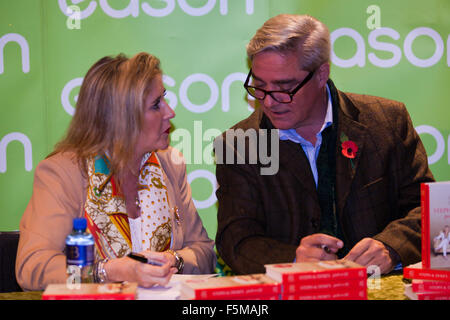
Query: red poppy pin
x=349, y=148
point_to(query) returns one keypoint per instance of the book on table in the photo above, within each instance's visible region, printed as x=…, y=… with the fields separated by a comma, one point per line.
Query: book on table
x=322, y=280
x=312, y=272
x=425, y=295
x=416, y=271
x=252, y=286
x=418, y=285
x=91, y=291
x=431, y=276
x=427, y=284
x=435, y=208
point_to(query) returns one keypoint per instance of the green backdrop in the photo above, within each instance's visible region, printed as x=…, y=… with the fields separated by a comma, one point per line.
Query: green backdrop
x=397, y=49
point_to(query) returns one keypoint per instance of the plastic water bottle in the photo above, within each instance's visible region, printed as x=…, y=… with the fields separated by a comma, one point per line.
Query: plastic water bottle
x=80, y=254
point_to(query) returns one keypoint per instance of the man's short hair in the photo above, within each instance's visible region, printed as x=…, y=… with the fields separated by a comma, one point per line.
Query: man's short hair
x=301, y=34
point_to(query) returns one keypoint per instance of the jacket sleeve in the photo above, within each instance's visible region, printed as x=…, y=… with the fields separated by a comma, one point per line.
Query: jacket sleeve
x=195, y=247
x=57, y=198
x=241, y=238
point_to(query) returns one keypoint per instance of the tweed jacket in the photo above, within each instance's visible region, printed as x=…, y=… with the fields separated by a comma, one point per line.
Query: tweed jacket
x=59, y=194
x=262, y=218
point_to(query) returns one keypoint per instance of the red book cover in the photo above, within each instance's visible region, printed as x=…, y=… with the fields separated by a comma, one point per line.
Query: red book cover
x=429, y=285
x=234, y=287
x=416, y=271
x=263, y=297
x=328, y=286
x=425, y=211
x=425, y=295
x=90, y=291
x=435, y=208
x=315, y=271
x=360, y=294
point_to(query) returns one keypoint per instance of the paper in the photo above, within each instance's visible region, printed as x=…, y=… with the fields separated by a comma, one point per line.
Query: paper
x=171, y=291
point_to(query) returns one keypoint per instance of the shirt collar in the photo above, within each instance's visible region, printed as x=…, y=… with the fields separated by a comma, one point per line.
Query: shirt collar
x=291, y=134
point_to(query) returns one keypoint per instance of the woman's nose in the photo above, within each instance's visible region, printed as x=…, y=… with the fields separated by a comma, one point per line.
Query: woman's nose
x=169, y=111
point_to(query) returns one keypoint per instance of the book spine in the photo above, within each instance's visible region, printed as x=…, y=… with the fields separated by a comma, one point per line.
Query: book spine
x=87, y=297
x=318, y=286
x=433, y=296
x=237, y=292
x=433, y=286
x=338, y=295
x=426, y=274
x=357, y=273
x=262, y=297
x=425, y=212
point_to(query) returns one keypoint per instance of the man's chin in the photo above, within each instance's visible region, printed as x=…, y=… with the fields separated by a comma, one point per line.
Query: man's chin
x=282, y=125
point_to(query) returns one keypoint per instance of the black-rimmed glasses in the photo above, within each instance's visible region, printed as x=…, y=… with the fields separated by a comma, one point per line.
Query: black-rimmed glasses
x=280, y=96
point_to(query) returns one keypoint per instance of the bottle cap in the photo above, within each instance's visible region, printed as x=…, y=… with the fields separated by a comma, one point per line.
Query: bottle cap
x=79, y=224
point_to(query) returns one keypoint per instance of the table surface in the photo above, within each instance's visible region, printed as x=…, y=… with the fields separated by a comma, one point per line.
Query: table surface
x=388, y=287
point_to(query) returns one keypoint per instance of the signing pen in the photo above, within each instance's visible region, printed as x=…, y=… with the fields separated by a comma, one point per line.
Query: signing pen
x=141, y=258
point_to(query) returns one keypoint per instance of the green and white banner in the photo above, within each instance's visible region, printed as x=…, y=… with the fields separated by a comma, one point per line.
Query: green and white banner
x=398, y=49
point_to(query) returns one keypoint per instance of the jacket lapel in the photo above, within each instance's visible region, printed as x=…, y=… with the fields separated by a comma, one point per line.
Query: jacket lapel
x=292, y=157
x=346, y=168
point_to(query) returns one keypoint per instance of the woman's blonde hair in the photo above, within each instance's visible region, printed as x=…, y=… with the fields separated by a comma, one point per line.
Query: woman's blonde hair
x=301, y=34
x=109, y=110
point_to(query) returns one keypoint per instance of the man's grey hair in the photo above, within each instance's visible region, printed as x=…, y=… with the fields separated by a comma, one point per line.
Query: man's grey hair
x=301, y=34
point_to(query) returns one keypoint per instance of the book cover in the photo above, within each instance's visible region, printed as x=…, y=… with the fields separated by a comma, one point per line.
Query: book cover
x=252, y=285
x=328, y=286
x=360, y=294
x=183, y=296
x=425, y=295
x=315, y=271
x=91, y=291
x=430, y=285
x=435, y=208
x=416, y=271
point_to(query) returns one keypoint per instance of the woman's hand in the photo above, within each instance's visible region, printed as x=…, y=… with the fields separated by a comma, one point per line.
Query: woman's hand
x=146, y=275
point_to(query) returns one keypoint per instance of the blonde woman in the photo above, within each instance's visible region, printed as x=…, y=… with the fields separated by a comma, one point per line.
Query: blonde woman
x=116, y=169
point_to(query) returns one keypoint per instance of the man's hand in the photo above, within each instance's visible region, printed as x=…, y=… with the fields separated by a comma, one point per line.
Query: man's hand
x=317, y=247
x=368, y=252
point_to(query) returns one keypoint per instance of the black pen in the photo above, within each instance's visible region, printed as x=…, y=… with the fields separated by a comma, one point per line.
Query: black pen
x=326, y=249
x=141, y=258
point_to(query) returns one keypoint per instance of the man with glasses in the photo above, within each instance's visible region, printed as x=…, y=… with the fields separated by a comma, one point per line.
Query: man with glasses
x=350, y=166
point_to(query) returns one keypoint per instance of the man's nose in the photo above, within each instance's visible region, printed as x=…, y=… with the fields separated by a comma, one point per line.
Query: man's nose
x=268, y=101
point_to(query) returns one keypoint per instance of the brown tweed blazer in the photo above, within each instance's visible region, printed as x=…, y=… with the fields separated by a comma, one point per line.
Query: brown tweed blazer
x=262, y=218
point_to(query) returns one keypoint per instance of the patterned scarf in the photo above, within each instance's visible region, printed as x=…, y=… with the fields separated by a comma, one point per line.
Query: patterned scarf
x=105, y=209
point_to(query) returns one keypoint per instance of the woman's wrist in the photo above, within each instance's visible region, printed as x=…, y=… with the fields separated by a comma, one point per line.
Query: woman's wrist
x=99, y=273
x=179, y=262
x=113, y=269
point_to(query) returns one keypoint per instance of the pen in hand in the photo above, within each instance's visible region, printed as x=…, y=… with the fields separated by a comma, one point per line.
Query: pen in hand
x=141, y=258
x=326, y=249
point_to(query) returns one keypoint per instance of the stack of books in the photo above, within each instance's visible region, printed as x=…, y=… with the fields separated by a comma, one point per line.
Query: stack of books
x=244, y=287
x=427, y=284
x=324, y=280
x=431, y=277
x=435, y=206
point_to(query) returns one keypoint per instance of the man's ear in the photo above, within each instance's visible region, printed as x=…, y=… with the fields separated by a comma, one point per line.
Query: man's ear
x=323, y=74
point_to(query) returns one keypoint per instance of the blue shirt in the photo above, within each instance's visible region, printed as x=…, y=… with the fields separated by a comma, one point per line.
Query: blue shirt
x=311, y=151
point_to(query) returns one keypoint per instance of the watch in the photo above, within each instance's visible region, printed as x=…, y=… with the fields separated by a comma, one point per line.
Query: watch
x=179, y=262
x=100, y=275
